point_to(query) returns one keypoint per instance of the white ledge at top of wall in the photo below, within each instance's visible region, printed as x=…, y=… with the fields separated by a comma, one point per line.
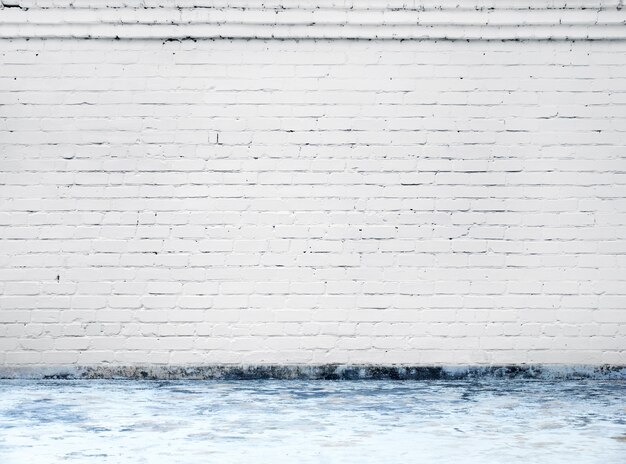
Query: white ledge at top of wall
x=315, y=19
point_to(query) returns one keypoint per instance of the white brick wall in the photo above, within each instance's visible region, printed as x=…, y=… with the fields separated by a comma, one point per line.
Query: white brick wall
x=316, y=201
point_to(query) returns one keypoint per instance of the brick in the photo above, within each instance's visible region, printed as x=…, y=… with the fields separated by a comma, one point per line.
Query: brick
x=286, y=201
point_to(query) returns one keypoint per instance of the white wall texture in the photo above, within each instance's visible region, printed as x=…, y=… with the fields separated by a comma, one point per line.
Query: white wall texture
x=231, y=198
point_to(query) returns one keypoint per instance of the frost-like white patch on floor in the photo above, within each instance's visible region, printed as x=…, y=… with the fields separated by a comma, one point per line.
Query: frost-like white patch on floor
x=494, y=421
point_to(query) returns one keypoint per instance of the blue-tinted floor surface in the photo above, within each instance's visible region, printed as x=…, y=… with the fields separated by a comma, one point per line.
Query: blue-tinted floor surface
x=494, y=421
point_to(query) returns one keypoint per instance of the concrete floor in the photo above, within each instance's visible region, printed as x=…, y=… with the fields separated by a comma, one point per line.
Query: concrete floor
x=488, y=421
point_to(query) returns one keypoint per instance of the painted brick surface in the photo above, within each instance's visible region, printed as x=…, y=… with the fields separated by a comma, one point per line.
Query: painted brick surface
x=318, y=19
x=315, y=201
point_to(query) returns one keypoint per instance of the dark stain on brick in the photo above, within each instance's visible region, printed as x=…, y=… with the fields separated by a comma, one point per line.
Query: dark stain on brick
x=319, y=372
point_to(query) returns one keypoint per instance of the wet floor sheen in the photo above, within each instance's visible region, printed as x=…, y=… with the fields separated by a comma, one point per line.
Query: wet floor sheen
x=265, y=421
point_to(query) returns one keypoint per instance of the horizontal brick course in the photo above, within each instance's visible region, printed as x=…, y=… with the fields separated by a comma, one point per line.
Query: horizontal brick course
x=380, y=19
